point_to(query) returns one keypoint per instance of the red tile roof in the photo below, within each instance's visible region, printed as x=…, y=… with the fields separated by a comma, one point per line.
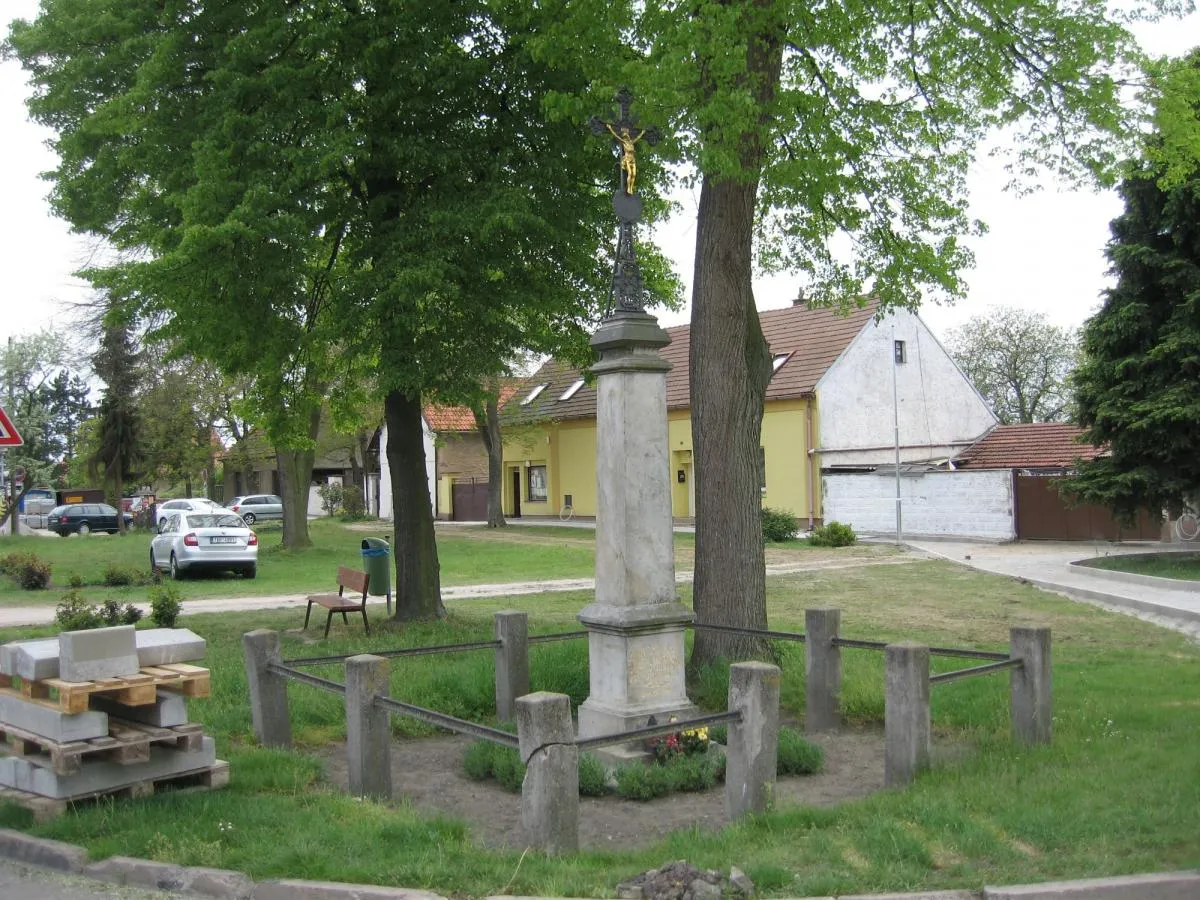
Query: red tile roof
x=1042, y=445
x=443, y=419
x=813, y=338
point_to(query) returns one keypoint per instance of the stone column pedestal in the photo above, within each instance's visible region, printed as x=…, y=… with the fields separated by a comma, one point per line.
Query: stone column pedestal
x=636, y=624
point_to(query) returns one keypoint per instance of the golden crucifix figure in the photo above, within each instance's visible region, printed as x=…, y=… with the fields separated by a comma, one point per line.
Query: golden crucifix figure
x=628, y=153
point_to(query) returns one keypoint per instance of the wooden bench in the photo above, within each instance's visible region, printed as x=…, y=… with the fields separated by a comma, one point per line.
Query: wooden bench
x=339, y=602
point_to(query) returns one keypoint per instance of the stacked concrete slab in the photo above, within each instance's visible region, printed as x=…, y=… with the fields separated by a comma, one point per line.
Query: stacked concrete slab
x=38, y=731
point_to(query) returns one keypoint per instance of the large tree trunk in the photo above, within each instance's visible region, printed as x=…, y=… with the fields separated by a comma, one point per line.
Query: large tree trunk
x=489, y=429
x=730, y=368
x=295, y=477
x=418, y=588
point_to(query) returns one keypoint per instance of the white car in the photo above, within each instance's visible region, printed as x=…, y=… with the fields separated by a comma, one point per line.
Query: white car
x=216, y=539
x=189, y=504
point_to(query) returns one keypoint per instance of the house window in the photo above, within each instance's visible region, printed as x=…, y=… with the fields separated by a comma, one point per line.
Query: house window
x=535, y=484
x=762, y=468
x=779, y=360
x=570, y=392
x=901, y=353
x=534, y=394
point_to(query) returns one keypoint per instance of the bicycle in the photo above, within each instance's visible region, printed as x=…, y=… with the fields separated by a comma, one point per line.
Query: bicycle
x=567, y=511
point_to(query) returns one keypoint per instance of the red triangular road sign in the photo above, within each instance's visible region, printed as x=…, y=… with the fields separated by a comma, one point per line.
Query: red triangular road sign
x=9, y=436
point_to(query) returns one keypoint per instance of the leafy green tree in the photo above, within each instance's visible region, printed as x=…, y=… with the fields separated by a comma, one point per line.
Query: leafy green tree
x=1136, y=387
x=330, y=197
x=32, y=365
x=1019, y=362
x=813, y=129
x=118, y=432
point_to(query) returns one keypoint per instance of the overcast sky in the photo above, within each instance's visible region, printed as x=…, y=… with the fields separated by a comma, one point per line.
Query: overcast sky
x=1043, y=251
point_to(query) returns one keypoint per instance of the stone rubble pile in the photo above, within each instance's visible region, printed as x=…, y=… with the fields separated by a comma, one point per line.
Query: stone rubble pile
x=102, y=711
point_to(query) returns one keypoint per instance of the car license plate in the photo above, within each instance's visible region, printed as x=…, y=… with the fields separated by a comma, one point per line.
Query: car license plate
x=224, y=540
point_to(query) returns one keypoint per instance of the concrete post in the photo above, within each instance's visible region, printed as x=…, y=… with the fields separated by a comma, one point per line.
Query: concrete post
x=906, y=713
x=268, y=692
x=368, y=727
x=550, y=792
x=822, y=670
x=753, y=750
x=1032, y=696
x=512, y=662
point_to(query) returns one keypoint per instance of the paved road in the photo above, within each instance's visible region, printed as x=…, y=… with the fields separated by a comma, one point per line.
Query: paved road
x=1047, y=564
x=20, y=883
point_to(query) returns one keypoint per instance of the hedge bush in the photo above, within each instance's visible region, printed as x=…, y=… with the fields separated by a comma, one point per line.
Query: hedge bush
x=832, y=534
x=779, y=525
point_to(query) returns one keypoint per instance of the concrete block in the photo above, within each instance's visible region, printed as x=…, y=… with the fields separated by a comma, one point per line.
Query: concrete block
x=368, y=727
x=42, y=852
x=1156, y=886
x=268, y=691
x=292, y=889
x=48, y=722
x=169, y=709
x=160, y=646
x=822, y=670
x=223, y=883
x=550, y=792
x=752, y=753
x=140, y=872
x=1032, y=697
x=35, y=776
x=30, y=660
x=97, y=653
x=512, y=661
x=906, y=725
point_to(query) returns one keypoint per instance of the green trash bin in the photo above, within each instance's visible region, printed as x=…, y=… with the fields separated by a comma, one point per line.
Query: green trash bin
x=377, y=563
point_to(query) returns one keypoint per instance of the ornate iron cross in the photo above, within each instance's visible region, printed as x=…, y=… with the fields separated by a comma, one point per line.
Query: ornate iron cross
x=628, y=294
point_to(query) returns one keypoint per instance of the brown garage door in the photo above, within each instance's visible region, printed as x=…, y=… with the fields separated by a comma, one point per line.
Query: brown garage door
x=1043, y=515
x=470, y=501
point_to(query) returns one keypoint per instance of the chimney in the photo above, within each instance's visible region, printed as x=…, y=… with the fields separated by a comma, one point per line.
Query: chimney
x=799, y=301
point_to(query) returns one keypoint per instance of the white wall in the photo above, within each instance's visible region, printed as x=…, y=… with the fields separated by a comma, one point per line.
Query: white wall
x=951, y=504
x=940, y=412
x=385, y=473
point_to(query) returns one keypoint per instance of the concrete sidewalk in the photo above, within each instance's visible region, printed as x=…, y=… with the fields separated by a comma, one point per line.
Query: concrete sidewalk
x=1047, y=564
x=16, y=616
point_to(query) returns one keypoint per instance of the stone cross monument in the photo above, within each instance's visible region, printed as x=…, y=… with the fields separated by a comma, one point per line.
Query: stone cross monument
x=636, y=624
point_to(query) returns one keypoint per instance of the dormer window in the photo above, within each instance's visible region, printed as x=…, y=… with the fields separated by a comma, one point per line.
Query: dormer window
x=779, y=360
x=572, y=390
x=533, y=395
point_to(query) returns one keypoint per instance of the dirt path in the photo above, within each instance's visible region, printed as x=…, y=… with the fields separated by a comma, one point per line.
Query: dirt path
x=428, y=772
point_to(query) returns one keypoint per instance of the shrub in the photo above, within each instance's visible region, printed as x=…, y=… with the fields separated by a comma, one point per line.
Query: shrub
x=832, y=534
x=779, y=525
x=354, y=505
x=75, y=613
x=29, y=571
x=695, y=773
x=165, y=605
x=592, y=779
x=75, y=581
x=117, y=576
x=642, y=782
x=331, y=497
x=797, y=756
x=508, y=768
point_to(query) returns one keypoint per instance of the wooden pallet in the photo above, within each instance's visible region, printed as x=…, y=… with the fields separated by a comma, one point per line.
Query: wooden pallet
x=127, y=743
x=45, y=808
x=132, y=690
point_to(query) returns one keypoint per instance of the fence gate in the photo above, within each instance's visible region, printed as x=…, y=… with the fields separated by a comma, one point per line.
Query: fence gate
x=469, y=499
x=1043, y=515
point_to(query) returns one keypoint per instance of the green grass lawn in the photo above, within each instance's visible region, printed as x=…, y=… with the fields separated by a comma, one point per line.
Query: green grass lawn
x=1118, y=791
x=467, y=555
x=1169, y=565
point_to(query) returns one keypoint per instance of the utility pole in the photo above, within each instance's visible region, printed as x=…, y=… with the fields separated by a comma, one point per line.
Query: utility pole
x=896, y=431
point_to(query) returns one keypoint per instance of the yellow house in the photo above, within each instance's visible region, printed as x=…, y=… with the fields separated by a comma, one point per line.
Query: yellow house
x=550, y=423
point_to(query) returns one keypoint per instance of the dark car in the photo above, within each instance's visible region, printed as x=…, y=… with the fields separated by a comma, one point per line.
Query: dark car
x=84, y=518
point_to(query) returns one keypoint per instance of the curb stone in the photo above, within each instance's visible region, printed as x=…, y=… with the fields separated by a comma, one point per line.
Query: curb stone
x=1183, y=885
x=230, y=885
x=35, y=851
